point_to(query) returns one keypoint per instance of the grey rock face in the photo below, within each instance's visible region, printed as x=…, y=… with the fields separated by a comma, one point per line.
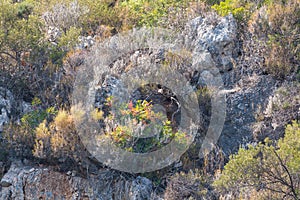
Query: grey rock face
x=243, y=104
x=283, y=107
x=25, y=182
x=217, y=35
x=53, y=34
x=248, y=90
x=85, y=42
x=214, y=38
x=25, y=107
x=6, y=103
x=141, y=188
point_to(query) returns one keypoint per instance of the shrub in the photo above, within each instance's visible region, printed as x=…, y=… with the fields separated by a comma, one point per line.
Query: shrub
x=57, y=138
x=70, y=38
x=21, y=137
x=19, y=31
x=271, y=170
x=148, y=13
x=24, y=9
x=177, y=17
x=276, y=26
x=42, y=141
x=278, y=58
x=141, y=119
x=32, y=119
x=283, y=42
x=64, y=16
x=101, y=13
x=240, y=9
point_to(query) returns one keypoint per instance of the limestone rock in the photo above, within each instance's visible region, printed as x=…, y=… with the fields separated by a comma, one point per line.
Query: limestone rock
x=141, y=188
x=6, y=104
x=21, y=182
x=217, y=35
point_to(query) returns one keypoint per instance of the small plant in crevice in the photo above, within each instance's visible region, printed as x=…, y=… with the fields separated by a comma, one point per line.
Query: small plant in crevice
x=142, y=130
x=21, y=136
x=57, y=138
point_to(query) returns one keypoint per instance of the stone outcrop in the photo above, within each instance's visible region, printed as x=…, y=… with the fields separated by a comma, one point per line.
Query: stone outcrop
x=27, y=182
x=217, y=35
x=6, y=104
x=248, y=95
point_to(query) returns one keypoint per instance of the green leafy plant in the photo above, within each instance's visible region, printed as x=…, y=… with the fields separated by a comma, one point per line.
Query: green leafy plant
x=21, y=137
x=19, y=31
x=273, y=170
x=32, y=119
x=149, y=13
x=139, y=118
x=240, y=9
x=70, y=38
x=100, y=13
x=25, y=8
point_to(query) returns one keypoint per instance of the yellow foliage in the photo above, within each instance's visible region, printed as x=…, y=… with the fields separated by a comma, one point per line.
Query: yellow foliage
x=62, y=120
x=77, y=113
x=42, y=131
x=97, y=114
x=57, y=142
x=42, y=140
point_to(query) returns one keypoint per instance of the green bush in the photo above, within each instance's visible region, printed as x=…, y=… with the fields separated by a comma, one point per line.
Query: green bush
x=21, y=136
x=69, y=39
x=239, y=8
x=100, y=13
x=32, y=119
x=147, y=12
x=56, y=138
x=25, y=8
x=141, y=117
x=19, y=31
x=273, y=170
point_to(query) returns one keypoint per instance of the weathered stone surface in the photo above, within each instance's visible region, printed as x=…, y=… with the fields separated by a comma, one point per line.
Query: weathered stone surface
x=6, y=103
x=141, y=188
x=27, y=182
x=26, y=107
x=85, y=42
x=282, y=107
x=217, y=35
x=248, y=96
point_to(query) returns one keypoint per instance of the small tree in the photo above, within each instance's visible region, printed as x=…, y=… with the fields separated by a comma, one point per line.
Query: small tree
x=272, y=170
x=19, y=32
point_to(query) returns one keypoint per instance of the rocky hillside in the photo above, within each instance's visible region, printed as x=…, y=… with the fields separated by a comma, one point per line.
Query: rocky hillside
x=214, y=84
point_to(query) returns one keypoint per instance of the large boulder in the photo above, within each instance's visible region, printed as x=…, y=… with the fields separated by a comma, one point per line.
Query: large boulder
x=217, y=35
